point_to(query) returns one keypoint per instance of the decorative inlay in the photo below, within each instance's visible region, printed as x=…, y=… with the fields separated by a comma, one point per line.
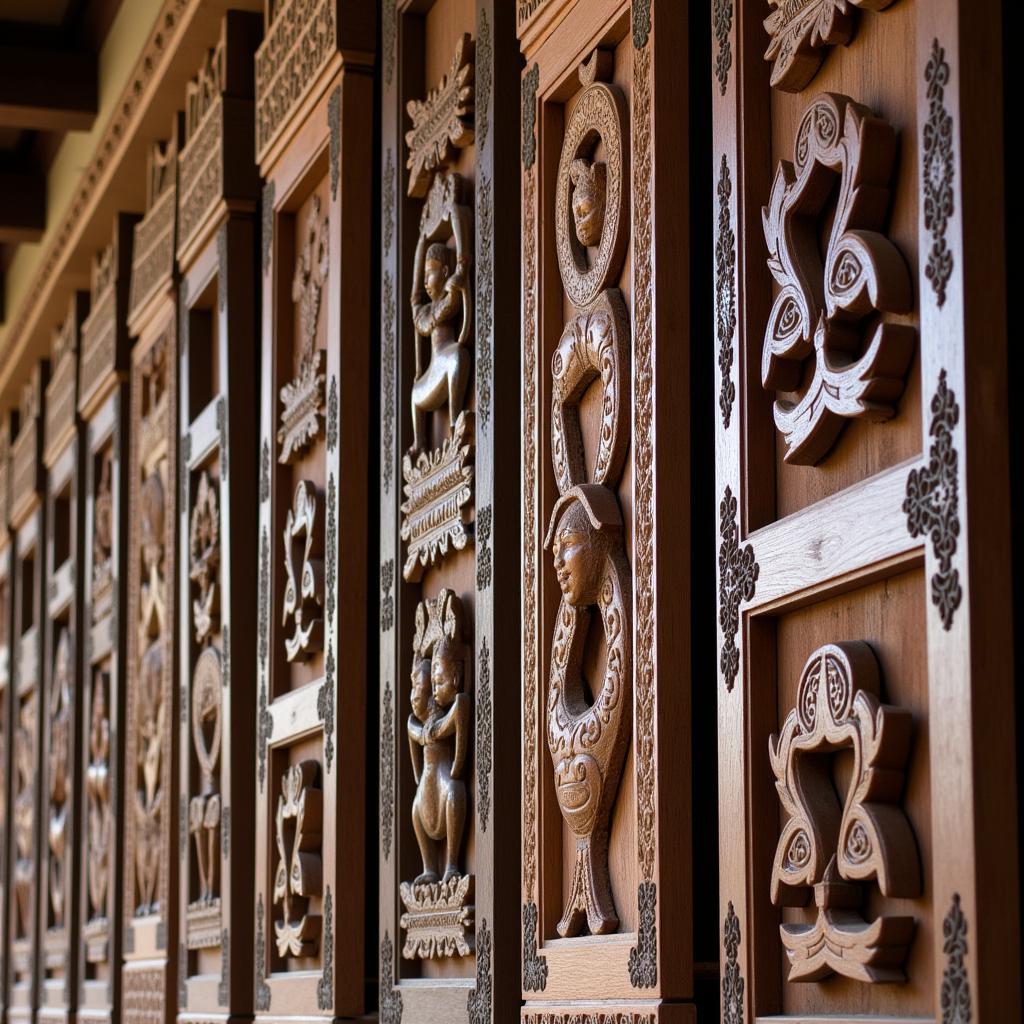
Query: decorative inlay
x=303, y=592
x=955, y=995
x=325, y=986
x=535, y=967
x=725, y=293
x=262, y=989
x=325, y=705
x=841, y=149
x=737, y=581
x=800, y=31
x=937, y=171
x=388, y=187
x=485, y=299
x=641, y=23
x=331, y=548
x=484, y=726
x=390, y=1011
x=204, y=558
x=932, y=504
x=387, y=433
x=478, y=1003
x=387, y=771
x=721, y=13
x=334, y=125
x=483, y=549
x=332, y=414
x=267, y=219
x=531, y=81
x=387, y=601
x=643, y=957
x=732, y=979
x=834, y=846
x=443, y=122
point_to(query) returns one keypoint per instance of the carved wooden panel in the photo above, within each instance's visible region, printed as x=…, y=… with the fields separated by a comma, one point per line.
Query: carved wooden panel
x=6, y=651
x=606, y=899
x=217, y=577
x=27, y=710
x=448, y=637
x=857, y=664
x=313, y=121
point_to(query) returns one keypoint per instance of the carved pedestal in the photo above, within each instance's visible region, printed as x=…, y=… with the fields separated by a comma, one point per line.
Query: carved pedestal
x=28, y=523
x=313, y=126
x=449, y=446
x=607, y=896
x=861, y=653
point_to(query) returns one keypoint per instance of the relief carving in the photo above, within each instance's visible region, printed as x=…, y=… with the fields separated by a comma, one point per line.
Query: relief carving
x=820, y=305
x=834, y=849
x=204, y=559
x=59, y=758
x=588, y=740
x=100, y=823
x=102, y=544
x=438, y=918
x=23, y=818
x=303, y=592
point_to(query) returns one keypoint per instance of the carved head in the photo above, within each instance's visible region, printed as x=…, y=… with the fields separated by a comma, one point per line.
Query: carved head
x=585, y=524
x=437, y=266
x=419, y=697
x=446, y=668
x=589, y=183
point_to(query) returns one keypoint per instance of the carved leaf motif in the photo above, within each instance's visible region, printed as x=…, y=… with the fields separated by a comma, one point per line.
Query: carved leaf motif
x=303, y=592
x=725, y=293
x=737, y=581
x=732, y=979
x=204, y=558
x=937, y=173
x=59, y=756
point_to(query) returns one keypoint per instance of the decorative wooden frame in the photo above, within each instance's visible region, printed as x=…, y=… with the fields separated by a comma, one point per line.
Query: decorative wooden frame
x=28, y=528
x=313, y=110
x=217, y=576
x=925, y=526
x=646, y=966
x=60, y=803
x=475, y=71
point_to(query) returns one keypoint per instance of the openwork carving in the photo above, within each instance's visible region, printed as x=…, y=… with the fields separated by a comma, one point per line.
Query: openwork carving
x=937, y=172
x=438, y=912
x=59, y=765
x=442, y=123
x=932, y=504
x=819, y=307
x=204, y=558
x=102, y=593
x=801, y=29
x=299, y=873
x=204, y=811
x=834, y=849
x=955, y=995
x=303, y=592
x=100, y=820
x=303, y=396
x=725, y=293
x=732, y=980
x=737, y=581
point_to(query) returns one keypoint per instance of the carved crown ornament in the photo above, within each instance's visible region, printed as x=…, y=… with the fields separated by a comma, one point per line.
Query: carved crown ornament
x=833, y=849
x=817, y=314
x=304, y=588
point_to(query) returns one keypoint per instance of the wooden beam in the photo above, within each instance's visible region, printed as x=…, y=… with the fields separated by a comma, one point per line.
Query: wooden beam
x=48, y=89
x=22, y=206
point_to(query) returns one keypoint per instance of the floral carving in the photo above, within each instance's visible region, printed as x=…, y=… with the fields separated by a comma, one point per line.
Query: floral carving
x=834, y=847
x=265, y=472
x=389, y=32
x=932, y=504
x=325, y=706
x=484, y=76
x=331, y=547
x=732, y=979
x=332, y=415
x=725, y=293
x=204, y=810
x=325, y=986
x=387, y=600
x=480, y=999
x=737, y=581
x=721, y=13
x=535, y=966
x=204, y=558
x=643, y=957
x=820, y=304
x=262, y=989
x=97, y=788
x=485, y=300
x=387, y=384
x=484, y=725
x=390, y=997
x=59, y=774
x=388, y=187
x=483, y=552
x=955, y=995
x=303, y=592
x=531, y=82
x=387, y=771
x=937, y=172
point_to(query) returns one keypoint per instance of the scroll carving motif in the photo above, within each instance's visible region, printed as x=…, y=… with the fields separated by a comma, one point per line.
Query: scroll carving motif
x=801, y=29
x=834, y=849
x=588, y=741
x=204, y=558
x=303, y=592
x=303, y=397
x=819, y=307
x=438, y=910
x=23, y=817
x=955, y=997
x=102, y=593
x=737, y=581
x=725, y=294
x=299, y=873
x=937, y=147
x=732, y=980
x=100, y=821
x=59, y=756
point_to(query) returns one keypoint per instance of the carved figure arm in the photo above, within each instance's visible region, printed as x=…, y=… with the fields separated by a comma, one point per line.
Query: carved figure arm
x=456, y=722
x=416, y=739
x=416, y=299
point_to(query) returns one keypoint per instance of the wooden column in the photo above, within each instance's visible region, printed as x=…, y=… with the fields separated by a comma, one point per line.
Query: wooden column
x=218, y=358
x=314, y=108
x=60, y=804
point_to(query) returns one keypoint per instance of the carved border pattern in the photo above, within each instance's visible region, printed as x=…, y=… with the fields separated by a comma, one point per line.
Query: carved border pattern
x=325, y=986
x=325, y=707
x=732, y=979
x=262, y=989
x=225, y=957
x=483, y=549
x=331, y=548
x=225, y=832
x=535, y=966
x=264, y=720
x=387, y=600
x=388, y=187
x=222, y=267
x=390, y=997
x=182, y=977
x=485, y=299
x=937, y=171
x=389, y=31
x=334, y=125
x=641, y=23
x=722, y=15
x=643, y=957
x=531, y=81
x=332, y=414
x=265, y=472
x=222, y=434
x=484, y=74
x=725, y=293
x=933, y=498
x=267, y=224
x=387, y=468
x=484, y=725
x=387, y=772
x=737, y=581
x=643, y=446
x=955, y=995
x=478, y=1003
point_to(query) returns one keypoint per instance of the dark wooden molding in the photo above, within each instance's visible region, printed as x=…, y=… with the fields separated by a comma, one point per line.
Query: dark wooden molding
x=47, y=88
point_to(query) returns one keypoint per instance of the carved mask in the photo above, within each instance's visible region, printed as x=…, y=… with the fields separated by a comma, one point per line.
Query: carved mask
x=589, y=182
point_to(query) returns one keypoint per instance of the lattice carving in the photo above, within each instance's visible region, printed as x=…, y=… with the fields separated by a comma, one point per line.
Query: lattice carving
x=819, y=307
x=304, y=590
x=834, y=849
x=59, y=774
x=204, y=559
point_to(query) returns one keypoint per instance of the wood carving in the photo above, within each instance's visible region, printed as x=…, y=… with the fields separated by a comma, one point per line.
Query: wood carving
x=834, y=849
x=588, y=741
x=100, y=823
x=204, y=559
x=59, y=775
x=732, y=979
x=303, y=396
x=102, y=543
x=801, y=29
x=23, y=817
x=955, y=995
x=438, y=912
x=937, y=173
x=303, y=592
x=442, y=122
x=820, y=305
x=299, y=873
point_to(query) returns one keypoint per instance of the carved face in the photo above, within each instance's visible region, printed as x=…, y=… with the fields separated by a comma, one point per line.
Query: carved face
x=446, y=672
x=436, y=269
x=419, y=698
x=579, y=553
x=588, y=200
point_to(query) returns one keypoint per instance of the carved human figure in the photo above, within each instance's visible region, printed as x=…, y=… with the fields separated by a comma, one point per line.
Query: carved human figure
x=149, y=797
x=59, y=763
x=589, y=181
x=438, y=735
x=97, y=786
x=204, y=810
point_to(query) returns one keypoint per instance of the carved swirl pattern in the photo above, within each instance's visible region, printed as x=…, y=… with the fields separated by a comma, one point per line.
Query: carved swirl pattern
x=531, y=81
x=643, y=957
x=932, y=503
x=725, y=293
x=732, y=979
x=737, y=581
x=535, y=966
x=387, y=771
x=484, y=715
x=387, y=433
x=937, y=171
x=390, y=997
x=478, y=1003
x=721, y=12
x=955, y=995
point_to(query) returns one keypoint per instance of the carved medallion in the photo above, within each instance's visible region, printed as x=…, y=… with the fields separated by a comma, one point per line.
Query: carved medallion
x=303, y=396
x=299, y=873
x=438, y=913
x=801, y=29
x=102, y=593
x=59, y=764
x=100, y=821
x=204, y=558
x=303, y=592
x=832, y=847
x=819, y=307
x=442, y=122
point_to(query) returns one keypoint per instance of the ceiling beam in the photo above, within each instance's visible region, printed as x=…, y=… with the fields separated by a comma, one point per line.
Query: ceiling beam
x=47, y=88
x=22, y=206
